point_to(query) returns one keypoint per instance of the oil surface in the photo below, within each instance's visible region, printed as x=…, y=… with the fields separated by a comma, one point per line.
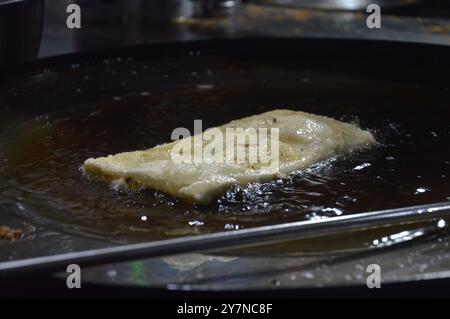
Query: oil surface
x=41, y=159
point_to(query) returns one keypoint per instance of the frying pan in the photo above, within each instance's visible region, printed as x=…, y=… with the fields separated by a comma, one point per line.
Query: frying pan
x=58, y=83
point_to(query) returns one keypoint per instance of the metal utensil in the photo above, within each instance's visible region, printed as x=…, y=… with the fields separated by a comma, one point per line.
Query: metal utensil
x=226, y=240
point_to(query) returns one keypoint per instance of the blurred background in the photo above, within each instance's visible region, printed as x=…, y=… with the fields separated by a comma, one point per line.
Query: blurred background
x=114, y=23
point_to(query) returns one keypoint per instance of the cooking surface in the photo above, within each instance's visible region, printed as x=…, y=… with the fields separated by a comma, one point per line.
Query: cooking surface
x=43, y=156
x=115, y=104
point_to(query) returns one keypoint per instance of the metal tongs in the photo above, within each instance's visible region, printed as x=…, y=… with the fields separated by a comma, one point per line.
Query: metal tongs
x=227, y=240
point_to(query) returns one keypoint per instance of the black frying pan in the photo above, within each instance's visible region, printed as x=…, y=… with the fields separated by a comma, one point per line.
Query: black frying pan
x=70, y=81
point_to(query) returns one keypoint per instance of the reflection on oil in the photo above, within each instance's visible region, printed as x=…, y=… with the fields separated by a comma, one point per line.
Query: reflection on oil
x=192, y=261
x=397, y=238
